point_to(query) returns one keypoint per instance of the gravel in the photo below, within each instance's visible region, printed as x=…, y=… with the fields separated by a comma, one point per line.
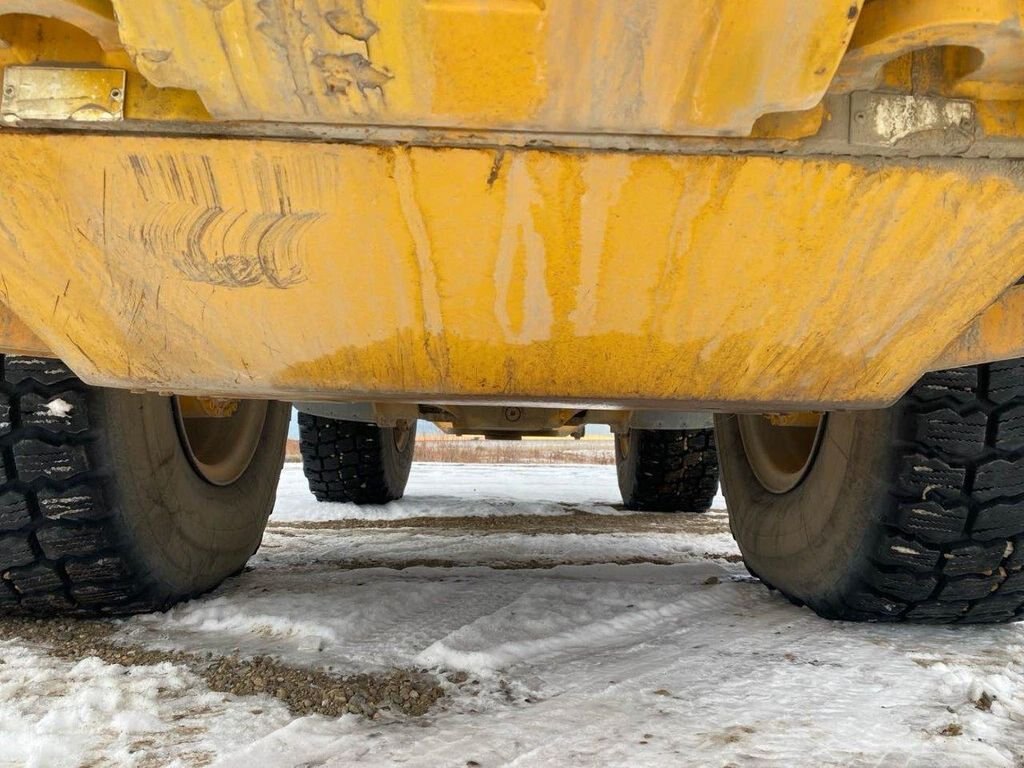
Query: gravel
x=304, y=691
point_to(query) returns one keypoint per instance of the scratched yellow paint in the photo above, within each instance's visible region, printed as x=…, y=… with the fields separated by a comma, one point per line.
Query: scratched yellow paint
x=326, y=271
x=700, y=67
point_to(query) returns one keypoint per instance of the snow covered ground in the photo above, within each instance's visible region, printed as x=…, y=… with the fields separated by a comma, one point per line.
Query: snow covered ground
x=565, y=632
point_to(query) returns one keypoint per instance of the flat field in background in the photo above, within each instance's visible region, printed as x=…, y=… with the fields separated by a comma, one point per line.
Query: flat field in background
x=599, y=449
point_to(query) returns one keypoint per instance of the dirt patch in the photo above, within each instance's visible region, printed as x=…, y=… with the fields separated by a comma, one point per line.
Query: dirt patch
x=511, y=565
x=575, y=521
x=304, y=691
x=355, y=564
x=985, y=701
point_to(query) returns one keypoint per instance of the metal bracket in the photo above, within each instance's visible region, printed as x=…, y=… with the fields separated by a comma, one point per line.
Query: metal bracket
x=381, y=414
x=62, y=93
x=918, y=124
x=648, y=419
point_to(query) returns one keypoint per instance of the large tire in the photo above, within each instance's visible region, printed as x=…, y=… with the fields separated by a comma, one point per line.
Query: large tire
x=912, y=513
x=349, y=461
x=101, y=509
x=667, y=470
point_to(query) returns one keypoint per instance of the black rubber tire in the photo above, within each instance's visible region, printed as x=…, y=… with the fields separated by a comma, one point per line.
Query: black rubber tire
x=913, y=513
x=667, y=470
x=100, y=508
x=349, y=461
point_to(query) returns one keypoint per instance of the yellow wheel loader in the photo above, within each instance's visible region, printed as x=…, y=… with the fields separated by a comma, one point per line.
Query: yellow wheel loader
x=781, y=238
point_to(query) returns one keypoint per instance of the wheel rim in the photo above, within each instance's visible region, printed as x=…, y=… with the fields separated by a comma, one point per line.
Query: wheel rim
x=622, y=446
x=780, y=456
x=221, y=448
x=401, y=433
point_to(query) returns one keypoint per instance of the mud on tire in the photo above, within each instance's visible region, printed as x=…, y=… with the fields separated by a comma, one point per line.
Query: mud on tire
x=911, y=513
x=100, y=509
x=667, y=470
x=349, y=461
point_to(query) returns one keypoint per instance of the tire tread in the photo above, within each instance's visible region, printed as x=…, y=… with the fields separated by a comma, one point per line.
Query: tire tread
x=344, y=460
x=64, y=547
x=949, y=546
x=674, y=470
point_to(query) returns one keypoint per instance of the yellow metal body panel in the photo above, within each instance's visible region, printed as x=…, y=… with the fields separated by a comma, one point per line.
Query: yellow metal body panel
x=641, y=66
x=998, y=334
x=17, y=339
x=325, y=271
x=985, y=40
x=65, y=39
x=458, y=274
x=94, y=17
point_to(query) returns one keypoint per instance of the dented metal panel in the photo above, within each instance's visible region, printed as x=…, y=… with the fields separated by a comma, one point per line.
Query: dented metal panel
x=311, y=271
x=705, y=67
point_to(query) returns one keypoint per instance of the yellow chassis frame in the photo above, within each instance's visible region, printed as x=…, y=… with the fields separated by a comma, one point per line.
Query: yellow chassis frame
x=451, y=217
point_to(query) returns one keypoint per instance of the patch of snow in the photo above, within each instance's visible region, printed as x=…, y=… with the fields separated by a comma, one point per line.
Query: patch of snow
x=308, y=598
x=62, y=506
x=572, y=660
x=470, y=490
x=59, y=408
x=56, y=713
x=899, y=550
